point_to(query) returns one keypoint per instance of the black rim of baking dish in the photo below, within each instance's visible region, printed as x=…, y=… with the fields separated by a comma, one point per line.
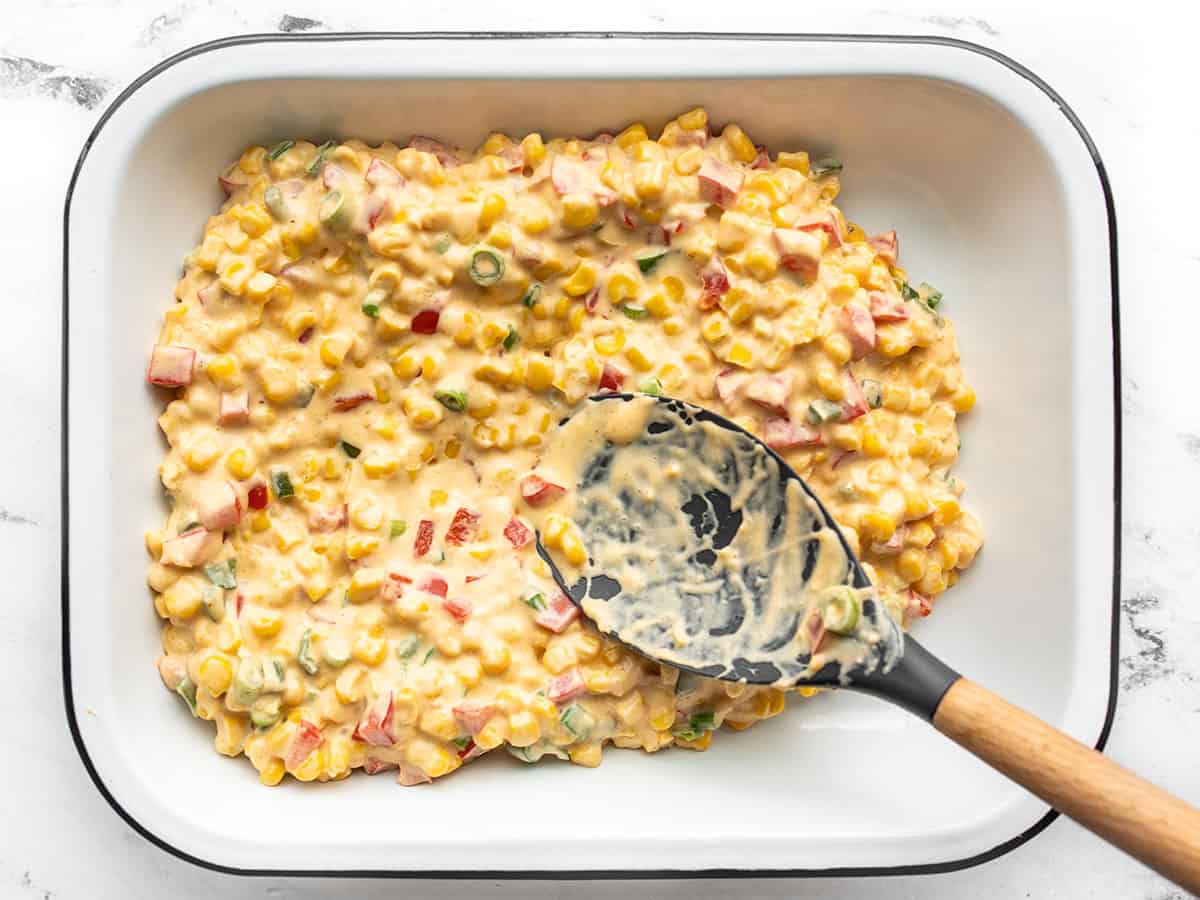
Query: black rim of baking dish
x=631, y=874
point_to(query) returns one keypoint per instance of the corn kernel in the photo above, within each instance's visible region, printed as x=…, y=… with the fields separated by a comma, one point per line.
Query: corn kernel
x=202, y=453
x=877, y=526
x=215, y=674
x=740, y=355
x=795, y=161
x=272, y=773
x=334, y=349
x=689, y=161
x=963, y=399
x=715, y=327
x=224, y=371
x=239, y=463
x=631, y=136
x=523, y=729
x=638, y=358
x=761, y=263
x=739, y=143
x=622, y=286
x=608, y=344
x=579, y=210
x=370, y=651
x=582, y=280
x=266, y=624
x=650, y=178
x=359, y=546
x=535, y=149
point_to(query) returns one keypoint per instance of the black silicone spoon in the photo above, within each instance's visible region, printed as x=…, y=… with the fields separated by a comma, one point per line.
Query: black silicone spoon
x=1148, y=823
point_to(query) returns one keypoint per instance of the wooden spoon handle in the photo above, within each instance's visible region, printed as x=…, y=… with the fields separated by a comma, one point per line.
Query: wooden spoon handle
x=1143, y=820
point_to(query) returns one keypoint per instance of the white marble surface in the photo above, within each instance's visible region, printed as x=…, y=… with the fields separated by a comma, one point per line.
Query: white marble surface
x=1128, y=71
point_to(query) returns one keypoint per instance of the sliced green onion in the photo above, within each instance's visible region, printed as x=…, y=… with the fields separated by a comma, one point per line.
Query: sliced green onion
x=651, y=386
x=873, y=392
x=336, y=652
x=273, y=672
x=907, y=292
x=487, y=267
x=461, y=742
x=648, y=261
x=531, y=295
x=304, y=655
x=212, y=598
x=304, y=395
x=397, y=528
x=511, y=339
x=188, y=527
x=702, y=721
x=929, y=295
x=428, y=656
x=840, y=608
x=374, y=299
x=828, y=165
x=441, y=244
x=314, y=167
x=248, y=680
x=821, y=411
x=370, y=309
x=187, y=693
x=634, y=310
x=265, y=712
x=455, y=401
x=521, y=753
x=407, y=647
x=279, y=149
x=349, y=449
x=577, y=720
x=276, y=205
x=223, y=574
x=334, y=212
x=537, y=601
x=282, y=483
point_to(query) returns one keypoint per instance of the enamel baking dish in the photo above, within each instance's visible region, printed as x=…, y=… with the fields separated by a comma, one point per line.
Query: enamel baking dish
x=999, y=198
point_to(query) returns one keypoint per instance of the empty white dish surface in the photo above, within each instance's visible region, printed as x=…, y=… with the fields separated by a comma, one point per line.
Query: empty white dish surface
x=998, y=200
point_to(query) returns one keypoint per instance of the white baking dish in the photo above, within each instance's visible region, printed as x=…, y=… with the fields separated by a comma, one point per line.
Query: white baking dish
x=1000, y=200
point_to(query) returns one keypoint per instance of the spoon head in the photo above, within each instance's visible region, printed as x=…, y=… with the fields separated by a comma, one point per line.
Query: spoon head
x=708, y=552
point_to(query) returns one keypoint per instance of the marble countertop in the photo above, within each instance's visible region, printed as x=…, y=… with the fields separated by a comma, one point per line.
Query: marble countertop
x=1129, y=76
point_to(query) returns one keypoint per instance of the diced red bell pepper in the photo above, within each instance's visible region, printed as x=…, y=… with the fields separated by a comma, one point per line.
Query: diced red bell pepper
x=781, y=434
x=771, y=392
x=306, y=334
x=859, y=328
x=258, y=497
x=463, y=528
x=171, y=365
x=827, y=223
x=458, y=607
x=917, y=607
x=375, y=728
x=537, y=491
x=715, y=285
x=347, y=402
x=307, y=739
x=567, y=686
x=719, y=182
x=218, y=506
x=518, y=534
x=424, y=539
x=434, y=584
x=886, y=247
x=611, y=378
x=887, y=307
x=558, y=614
x=190, y=549
x=426, y=321
x=472, y=715
x=235, y=408
x=469, y=750
x=855, y=403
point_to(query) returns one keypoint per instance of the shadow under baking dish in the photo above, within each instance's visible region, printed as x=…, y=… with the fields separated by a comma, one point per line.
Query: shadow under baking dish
x=1000, y=198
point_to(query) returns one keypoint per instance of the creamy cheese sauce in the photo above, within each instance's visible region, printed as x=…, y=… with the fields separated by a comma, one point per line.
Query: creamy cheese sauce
x=369, y=351
x=702, y=552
